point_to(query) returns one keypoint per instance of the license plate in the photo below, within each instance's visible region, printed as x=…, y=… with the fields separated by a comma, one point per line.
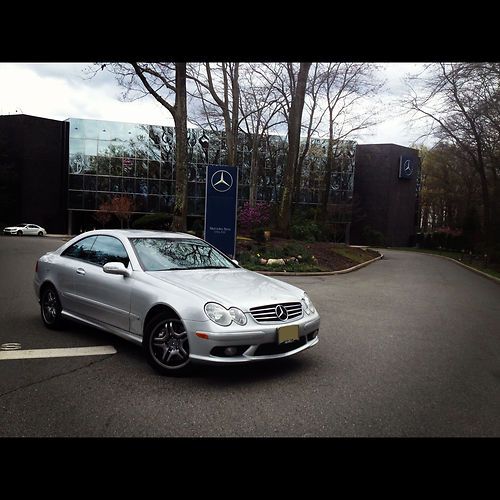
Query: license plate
x=288, y=333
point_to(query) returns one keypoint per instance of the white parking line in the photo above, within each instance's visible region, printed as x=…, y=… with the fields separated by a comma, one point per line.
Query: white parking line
x=57, y=353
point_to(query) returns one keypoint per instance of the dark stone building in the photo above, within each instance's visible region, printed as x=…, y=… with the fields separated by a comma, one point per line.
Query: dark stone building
x=33, y=171
x=386, y=185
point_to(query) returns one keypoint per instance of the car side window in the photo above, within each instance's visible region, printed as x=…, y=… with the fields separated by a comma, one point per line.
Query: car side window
x=108, y=249
x=80, y=249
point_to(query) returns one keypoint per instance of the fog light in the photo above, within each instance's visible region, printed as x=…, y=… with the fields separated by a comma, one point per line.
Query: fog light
x=230, y=351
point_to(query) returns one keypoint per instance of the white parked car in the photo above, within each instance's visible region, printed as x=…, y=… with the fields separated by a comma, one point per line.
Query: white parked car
x=25, y=229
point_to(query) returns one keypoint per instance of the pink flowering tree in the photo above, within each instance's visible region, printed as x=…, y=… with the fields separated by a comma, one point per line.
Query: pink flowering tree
x=253, y=217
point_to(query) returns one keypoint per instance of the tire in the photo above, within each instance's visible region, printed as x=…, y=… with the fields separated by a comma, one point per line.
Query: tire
x=50, y=308
x=166, y=345
x=19, y=233
x=40, y=233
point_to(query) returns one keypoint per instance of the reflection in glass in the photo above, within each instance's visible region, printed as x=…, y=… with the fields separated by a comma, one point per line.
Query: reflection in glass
x=75, y=199
x=75, y=181
x=107, y=249
x=147, y=153
x=154, y=169
x=128, y=165
x=115, y=184
x=90, y=183
x=116, y=166
x=89, y=200
x=103, y=183
x=161, y=254
x=102, y=166
x=128, y=185
x=141, y=168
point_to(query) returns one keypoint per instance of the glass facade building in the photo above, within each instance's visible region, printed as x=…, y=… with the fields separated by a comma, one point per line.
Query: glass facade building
x=108, y=159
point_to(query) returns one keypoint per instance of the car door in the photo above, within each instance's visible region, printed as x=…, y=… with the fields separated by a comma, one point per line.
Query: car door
x=101, y=296
x=67, y=266
x=32, y=230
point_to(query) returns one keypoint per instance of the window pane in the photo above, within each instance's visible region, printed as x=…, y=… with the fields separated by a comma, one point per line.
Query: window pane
x=108, y=249
x=103, y=183
x=80, y=250
x=75, y=199
x=76, y=182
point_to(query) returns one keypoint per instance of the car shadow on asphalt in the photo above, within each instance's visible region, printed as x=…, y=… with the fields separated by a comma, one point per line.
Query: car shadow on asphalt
x=249, y=372
x=213, y=375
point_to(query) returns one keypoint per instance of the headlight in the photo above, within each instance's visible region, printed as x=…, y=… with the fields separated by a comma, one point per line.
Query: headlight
x=308, y=305
x=218, y=314
x=238, y=316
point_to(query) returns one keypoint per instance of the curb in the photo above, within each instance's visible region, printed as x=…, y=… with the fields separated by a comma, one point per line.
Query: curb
x=477, y=271
x=327, y=273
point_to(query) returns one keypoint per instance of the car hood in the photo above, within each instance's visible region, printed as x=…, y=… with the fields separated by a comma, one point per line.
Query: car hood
x=231, y=287
x=14, y=227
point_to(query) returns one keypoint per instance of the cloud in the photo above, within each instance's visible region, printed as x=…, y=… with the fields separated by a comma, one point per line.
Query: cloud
x=63, y=90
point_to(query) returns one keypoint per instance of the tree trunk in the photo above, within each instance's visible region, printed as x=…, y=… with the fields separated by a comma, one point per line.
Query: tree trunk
x=231, y=112
x=254, y=172
x=327, y=181
x=294, y=125
x=486, y=206
x=179, y=222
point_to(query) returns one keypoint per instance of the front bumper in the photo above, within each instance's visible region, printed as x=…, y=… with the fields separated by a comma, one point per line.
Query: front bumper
x=254, y=342
x=10, y=231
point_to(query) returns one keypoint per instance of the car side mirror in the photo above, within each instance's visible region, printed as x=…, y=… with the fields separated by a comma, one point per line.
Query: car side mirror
x=116, y=268
x=234, y=261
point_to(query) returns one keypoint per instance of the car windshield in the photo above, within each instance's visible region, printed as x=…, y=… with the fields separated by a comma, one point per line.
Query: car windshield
x=168, y=254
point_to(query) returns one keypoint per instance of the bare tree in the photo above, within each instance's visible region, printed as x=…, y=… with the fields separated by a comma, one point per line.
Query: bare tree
x=297, y=82
x=342, y=86
x=218, y=89
x=166, y=82
x=259, y=111
x=462, y=100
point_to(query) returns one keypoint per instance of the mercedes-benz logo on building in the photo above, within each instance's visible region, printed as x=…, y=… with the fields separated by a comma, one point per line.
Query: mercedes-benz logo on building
x=222, y=181
x=407, y=167
x=281, y=313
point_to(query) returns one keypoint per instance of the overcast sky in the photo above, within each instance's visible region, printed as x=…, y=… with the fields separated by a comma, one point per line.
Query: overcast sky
x=62, y=90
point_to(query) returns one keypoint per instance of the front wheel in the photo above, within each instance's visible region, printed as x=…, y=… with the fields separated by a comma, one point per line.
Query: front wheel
x=166, y=345
x=50, y=308
x=19, y=233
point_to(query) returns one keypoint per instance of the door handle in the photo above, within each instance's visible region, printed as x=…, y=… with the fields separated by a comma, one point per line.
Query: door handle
x=80, y=271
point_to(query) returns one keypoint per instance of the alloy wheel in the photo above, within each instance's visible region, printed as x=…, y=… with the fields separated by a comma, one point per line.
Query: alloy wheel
x=169, y=344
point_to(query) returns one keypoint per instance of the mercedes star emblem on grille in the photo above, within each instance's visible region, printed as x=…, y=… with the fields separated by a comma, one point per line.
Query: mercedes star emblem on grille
x=281, y=313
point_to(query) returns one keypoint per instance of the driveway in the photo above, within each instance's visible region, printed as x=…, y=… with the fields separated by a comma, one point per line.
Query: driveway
x=410, y=346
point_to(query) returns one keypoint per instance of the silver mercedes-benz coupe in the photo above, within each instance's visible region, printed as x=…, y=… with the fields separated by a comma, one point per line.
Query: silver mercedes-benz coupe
x=177, y=296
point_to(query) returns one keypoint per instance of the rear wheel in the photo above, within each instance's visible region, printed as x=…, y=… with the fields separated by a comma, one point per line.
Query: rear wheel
x=40, y=233
x=166, y=345
x=50, y=308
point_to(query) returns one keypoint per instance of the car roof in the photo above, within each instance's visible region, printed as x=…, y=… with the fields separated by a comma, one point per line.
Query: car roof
x=142, y=233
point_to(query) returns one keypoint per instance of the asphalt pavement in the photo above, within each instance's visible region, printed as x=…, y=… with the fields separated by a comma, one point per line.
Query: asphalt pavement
x=409, y=346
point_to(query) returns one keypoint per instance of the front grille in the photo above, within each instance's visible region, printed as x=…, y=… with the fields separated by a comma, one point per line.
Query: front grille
x=270, y=349
x=267, y=314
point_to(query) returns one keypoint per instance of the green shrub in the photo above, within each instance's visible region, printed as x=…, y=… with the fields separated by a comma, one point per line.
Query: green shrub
x=372, y=237
x=153, y=221
x=306, y=230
